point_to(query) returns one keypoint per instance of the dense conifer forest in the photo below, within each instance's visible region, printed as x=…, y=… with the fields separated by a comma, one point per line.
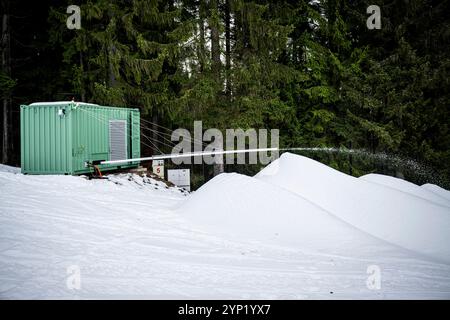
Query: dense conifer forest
x=310, y=68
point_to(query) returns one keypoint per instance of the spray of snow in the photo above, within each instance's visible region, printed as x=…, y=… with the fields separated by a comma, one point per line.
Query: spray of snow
x=414, y=167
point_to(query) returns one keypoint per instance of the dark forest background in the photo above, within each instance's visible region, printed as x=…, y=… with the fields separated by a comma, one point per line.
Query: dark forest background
x=310, y=68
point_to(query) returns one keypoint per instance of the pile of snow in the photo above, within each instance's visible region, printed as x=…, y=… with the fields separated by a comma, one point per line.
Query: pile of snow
x=296, y=200
x=252, y=240
x=5, y=168
x=143, y=182
x=408, y=187
x=240, y=206
x=115, y=230
x=445, y=194
x=389, y=214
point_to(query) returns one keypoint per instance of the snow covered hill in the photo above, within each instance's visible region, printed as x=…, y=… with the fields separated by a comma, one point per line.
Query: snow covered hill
x=236, y=237
x=445, y=194
x=408, y=187
x=238, y=206
x=389, y=214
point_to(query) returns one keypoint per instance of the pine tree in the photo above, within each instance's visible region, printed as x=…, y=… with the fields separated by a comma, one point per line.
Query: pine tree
x=128, y=54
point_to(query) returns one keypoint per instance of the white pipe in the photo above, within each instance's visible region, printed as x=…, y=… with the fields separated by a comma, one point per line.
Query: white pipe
x=187, y=155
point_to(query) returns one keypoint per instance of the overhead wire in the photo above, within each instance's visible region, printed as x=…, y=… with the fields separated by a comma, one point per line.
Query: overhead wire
x=160, y=134
x=170, y=130
x=128, y=135
x=149, y=139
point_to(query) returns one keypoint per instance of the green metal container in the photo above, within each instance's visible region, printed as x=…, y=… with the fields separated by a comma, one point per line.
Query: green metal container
x=70, y=137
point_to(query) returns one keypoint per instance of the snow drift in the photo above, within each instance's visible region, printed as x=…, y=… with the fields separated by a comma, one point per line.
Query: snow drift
x=406, y=186
x=392, y=215
x=243, y=206
x=124, y=235
x=445, y=194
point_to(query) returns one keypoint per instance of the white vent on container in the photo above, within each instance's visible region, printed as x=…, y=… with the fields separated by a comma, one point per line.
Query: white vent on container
x=117, y=139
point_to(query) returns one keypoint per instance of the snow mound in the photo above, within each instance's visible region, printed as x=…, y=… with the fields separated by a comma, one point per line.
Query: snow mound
x=246, y=207
x=123, y=234
x=406, y=186
x=392, y=215
x=5, y=168
x=437, y=190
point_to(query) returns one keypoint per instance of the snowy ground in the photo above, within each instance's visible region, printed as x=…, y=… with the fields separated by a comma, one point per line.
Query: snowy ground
x=236, y=237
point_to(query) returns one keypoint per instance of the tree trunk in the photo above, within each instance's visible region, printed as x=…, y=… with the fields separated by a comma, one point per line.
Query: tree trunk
x=154, y=133
x=82, y=93
x=111, y=53
x=351, y=159
x=215, y=58
x=227, y=48
x=201, y=47
x=6, y=68
x=215, y=41
x=112, y=76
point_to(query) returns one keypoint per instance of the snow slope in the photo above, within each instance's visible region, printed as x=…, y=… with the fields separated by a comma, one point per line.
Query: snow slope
x=4, y=168
x=437, y=190
x=236, y=205
x=388, y=214
x=406, y=186
x=134, y=238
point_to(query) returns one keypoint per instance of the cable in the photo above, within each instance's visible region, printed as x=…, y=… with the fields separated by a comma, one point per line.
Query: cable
x=155, y=124
x=149, y=139
x=104, y=121
x=154, y=146
x=102, y=118
x=157, y=149
x=161, y=136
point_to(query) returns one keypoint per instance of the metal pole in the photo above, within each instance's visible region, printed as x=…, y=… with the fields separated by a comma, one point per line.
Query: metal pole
x=187, y=155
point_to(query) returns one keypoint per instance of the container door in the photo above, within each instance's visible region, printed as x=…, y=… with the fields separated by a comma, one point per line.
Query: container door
x=135, y=135
x=118, y=140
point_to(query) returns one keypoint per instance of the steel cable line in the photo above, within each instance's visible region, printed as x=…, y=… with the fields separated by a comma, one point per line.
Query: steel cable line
x=149, y=139
x=158, y=133
x=104, y=120
x=157, y=125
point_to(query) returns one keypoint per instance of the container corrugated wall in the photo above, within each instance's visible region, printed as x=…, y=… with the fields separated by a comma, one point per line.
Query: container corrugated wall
x=91, y=134
x=46, y=140
x=54, y=143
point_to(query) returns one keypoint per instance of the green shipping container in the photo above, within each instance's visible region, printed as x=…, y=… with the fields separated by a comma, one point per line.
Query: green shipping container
x=70, y=137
